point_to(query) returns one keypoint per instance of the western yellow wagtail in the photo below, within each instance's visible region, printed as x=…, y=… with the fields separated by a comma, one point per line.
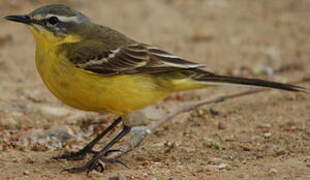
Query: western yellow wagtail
x=95, y=68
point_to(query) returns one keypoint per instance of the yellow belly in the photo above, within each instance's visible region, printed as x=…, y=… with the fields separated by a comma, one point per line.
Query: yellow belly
x=119, y=94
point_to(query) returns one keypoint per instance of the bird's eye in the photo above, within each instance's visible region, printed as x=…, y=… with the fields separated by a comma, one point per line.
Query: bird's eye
x=53, y=20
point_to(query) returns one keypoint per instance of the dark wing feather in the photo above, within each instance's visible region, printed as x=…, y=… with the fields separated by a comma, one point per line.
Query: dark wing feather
x=132, y=59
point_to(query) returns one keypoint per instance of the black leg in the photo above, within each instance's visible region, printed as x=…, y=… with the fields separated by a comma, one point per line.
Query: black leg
x=94, y=163
x=88, y=148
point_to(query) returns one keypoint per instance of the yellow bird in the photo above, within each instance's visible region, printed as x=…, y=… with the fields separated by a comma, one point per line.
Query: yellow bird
x=95, y=68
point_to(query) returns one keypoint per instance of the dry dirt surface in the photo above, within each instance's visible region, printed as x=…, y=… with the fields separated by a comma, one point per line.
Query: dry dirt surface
x=262, y=136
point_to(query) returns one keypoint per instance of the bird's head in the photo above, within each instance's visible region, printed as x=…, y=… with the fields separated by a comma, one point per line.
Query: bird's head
x=58, y=23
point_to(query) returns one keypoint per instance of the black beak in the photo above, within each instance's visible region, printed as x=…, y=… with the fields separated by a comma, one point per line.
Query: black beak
x=25, y=19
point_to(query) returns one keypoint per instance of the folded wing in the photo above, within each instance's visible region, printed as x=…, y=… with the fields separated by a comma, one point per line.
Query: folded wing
x=134, y=58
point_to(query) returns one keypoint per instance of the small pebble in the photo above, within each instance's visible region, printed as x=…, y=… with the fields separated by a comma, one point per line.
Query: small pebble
x=62, y=133
x=267, y=135
x=273, y=171
x=263, y=69
x=245, y=148
x=222, y=166
x=200, y=36
x=307, y=159
x=54, y=111
x=265, y=125
x=26, y=173
x=221, y=125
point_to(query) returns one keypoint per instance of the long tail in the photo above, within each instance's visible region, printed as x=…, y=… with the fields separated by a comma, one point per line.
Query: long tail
x=209, y=78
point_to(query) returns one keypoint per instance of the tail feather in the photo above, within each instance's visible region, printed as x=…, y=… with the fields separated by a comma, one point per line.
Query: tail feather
x=210, y=78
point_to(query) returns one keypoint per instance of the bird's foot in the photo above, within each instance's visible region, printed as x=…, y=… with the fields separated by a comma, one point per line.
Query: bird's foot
x=96, y=163
x=75, y=156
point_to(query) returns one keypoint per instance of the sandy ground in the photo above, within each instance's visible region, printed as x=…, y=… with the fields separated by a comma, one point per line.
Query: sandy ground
x=263, y=136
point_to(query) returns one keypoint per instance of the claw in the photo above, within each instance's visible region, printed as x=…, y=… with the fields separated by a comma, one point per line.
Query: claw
x=70, y=156
x=94, y=165
x=74, y=170
x=75, y=156
x=99, y=168
x=90, y=166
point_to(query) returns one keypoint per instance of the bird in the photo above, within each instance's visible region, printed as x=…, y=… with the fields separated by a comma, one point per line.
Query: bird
x=93, y=67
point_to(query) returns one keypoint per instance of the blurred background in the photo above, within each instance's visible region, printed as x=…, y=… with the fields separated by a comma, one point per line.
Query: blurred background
x=261, y=38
